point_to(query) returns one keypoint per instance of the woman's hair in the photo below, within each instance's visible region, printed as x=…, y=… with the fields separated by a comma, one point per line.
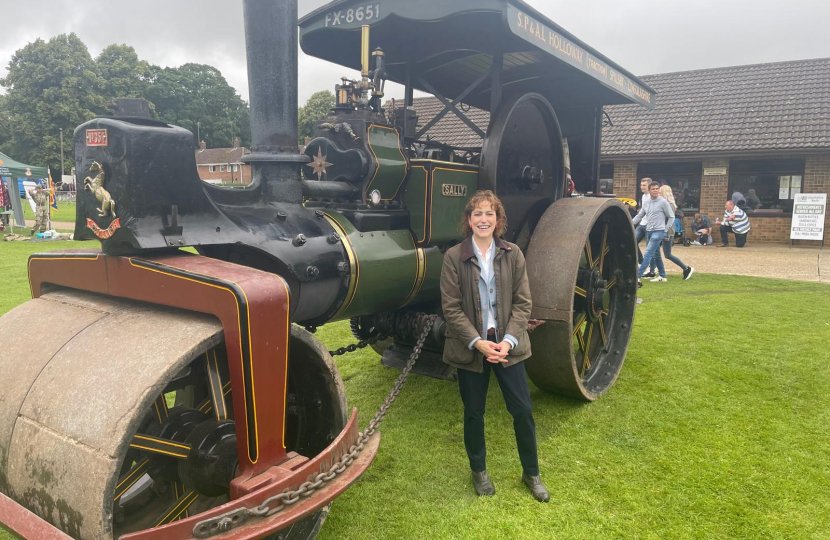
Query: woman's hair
x=667, y=194
x=480, y=197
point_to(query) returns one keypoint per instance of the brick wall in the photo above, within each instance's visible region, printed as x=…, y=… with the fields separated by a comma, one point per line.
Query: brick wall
x=817, y=180
x=763, y=229
x=714, y=192
x=625, y=179
x=243, y=174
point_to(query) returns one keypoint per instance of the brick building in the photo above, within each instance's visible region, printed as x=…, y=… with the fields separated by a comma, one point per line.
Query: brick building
x=763, y=127
x=223, y=165
x=762, y=130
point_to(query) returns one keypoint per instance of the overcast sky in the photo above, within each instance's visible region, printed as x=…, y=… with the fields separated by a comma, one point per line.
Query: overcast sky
x=644, y=37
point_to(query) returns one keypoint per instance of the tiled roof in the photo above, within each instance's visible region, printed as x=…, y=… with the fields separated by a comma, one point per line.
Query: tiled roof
x=776, y=106
x=450, y=129
x=218, y=156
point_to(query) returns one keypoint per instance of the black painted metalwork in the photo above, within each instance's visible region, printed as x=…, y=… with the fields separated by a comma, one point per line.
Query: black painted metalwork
x=271, y=45
x=452, y=107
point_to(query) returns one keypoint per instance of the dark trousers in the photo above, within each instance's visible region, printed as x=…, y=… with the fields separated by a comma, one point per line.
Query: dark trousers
x=740, y=239
x=513, y=384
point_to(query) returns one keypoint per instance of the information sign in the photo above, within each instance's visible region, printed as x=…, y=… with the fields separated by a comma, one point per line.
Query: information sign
x=809, y=210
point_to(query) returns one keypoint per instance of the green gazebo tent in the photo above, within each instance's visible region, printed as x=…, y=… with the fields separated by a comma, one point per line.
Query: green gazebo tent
x=15, y=169
x=10, y=171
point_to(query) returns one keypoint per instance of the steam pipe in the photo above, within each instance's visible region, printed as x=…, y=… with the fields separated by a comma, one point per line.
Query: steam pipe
x=271, y=46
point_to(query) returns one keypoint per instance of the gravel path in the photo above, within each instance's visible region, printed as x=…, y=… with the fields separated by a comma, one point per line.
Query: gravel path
x=764, y=260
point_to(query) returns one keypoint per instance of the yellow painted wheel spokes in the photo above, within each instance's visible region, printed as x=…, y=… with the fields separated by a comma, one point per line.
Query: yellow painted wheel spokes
x=178, y=509
x=149, y=493
x=128, y=480
x=589, y=333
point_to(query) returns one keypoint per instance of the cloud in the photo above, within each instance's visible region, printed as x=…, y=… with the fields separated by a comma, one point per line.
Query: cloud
x=643, y=36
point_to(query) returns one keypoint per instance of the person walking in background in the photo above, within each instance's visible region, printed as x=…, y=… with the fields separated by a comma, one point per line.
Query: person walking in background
x=702, y=228
x=41, y=198
x=640, y=231
x=485, y=297
x=666, y=193
x=735, y=220
x=660, y=215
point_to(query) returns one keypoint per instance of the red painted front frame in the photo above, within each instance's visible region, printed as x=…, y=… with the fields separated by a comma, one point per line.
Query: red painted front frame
x=206, y=285
x=233, y=294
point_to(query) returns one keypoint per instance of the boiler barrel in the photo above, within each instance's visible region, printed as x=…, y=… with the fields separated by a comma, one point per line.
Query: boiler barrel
x=387, y=270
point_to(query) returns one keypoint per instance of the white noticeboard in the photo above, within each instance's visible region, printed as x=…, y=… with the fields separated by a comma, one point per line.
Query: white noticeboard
x=809, y=210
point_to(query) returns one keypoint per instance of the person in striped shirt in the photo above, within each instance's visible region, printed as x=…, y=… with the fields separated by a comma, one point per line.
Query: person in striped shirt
x=735, y=220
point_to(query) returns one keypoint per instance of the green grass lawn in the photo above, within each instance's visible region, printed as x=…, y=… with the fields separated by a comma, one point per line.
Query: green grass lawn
x=716, y=429
x=64, y=212
x=13, y=258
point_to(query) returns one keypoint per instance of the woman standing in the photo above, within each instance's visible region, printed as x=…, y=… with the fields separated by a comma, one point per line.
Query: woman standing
x=666, y=193
x=485, y=296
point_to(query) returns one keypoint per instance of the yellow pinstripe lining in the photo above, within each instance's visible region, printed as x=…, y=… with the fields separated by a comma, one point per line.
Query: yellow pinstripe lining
x=354, y=269
x=377, y=169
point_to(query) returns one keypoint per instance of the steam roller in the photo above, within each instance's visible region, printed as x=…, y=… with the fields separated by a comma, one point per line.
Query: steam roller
x=180, y=393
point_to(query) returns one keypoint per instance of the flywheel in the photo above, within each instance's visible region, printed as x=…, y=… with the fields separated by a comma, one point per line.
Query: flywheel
x=522, y=160
x=581, y=263
x=100, y=414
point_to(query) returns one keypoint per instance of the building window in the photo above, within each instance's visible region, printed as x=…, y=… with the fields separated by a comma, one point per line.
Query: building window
x=684, y=179
x=236, y=168
x=223, y=168
x=606, y=178
x=212, y=168
x=768, y=185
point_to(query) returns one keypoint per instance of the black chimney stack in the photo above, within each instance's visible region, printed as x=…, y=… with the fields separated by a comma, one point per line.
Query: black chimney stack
x=271, y=45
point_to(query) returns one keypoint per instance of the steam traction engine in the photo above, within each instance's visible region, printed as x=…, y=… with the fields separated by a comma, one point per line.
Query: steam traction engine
x=178, y=398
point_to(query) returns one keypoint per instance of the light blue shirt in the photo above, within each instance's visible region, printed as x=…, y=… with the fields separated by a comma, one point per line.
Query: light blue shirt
x=487, y=292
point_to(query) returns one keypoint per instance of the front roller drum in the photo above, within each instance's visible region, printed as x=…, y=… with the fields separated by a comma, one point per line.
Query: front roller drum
x=581, y=263
x=119, y=419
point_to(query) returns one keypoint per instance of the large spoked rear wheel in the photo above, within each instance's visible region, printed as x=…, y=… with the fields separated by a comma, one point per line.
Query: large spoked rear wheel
x=581, y=263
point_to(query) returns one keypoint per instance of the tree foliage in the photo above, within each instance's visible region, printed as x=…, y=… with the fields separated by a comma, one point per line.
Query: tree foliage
x=317, y=106
x=122, y=73
x=198, y=93
x=50, y=85
x=5, y=131
x=55, y=84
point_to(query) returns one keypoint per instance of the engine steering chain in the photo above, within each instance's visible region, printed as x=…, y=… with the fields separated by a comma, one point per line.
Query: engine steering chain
x=272, y=505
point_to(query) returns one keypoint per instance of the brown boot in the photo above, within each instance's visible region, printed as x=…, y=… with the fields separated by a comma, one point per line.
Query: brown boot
x=537, y=488
x=484, y=487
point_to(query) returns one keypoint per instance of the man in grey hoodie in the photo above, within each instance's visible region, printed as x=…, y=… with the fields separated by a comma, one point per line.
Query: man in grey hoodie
x=659, y=214
x=640, y=231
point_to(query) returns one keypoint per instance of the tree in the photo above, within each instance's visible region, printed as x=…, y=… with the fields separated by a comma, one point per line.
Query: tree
x=199, y=93
x=5, y=127
x=51, y=85
x=122, y=73
x=317, y=106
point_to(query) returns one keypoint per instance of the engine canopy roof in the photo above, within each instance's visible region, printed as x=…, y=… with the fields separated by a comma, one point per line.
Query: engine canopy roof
x=451, y=44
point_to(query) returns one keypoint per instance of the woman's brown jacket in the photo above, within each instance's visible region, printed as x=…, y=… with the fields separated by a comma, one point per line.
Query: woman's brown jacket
x=461, y=303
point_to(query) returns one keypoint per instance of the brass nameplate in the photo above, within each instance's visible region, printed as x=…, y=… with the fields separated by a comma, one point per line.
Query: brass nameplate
x=453, y=190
